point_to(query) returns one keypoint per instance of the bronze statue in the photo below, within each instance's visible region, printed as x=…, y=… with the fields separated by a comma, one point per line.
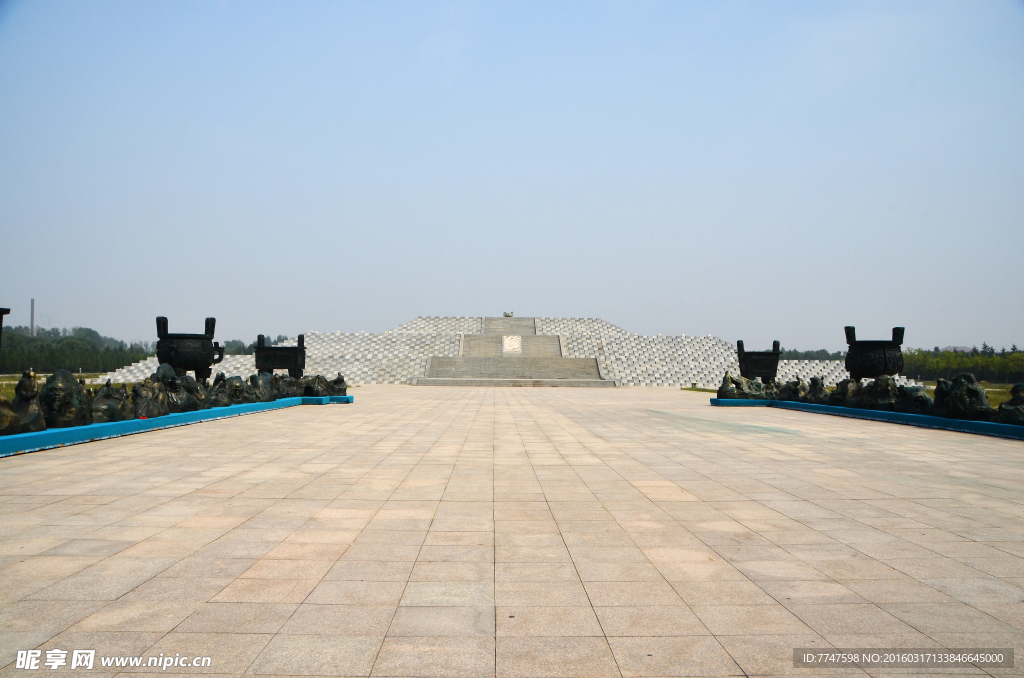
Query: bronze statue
x=64, y=401
x=196, y=391
x=177, y=399
x=741, y=388
x=184, y=394
x=962, y=398
x=338, y=386
x=217, y=394
x=913, y=400
x=10, y=422
x=793, y=391
x=1012, y=411
x=240, y=391
x=26, y=403
x=879, y=394
x=316, y=386
x=111, y=403
x=290, y=388
x=150, y=399
x=817, y=394
x=263, y=385
x=728, y=389
x=846, y=394
x=24, y=414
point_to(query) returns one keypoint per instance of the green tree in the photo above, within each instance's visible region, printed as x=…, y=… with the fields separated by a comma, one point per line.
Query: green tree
x=238, y=347
x=77, y=349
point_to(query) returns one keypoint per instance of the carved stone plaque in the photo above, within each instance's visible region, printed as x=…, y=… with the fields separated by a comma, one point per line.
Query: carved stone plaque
x=511, y=344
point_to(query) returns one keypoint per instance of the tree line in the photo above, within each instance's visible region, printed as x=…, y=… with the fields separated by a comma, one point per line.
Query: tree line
x=239, y=347
x=985, y=363
x=79, y=348
x=83, y=348
x=820, y=354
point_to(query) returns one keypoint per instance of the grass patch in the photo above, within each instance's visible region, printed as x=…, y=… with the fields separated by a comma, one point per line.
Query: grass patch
x=996, y=393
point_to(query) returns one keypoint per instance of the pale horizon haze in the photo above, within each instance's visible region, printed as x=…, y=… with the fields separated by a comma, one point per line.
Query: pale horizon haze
x=749, y=170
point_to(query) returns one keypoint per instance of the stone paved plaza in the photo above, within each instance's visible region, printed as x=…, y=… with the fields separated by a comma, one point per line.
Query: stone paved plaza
x=513, y=532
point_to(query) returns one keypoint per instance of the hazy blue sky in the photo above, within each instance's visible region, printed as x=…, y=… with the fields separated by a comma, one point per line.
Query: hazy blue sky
x=749, y=170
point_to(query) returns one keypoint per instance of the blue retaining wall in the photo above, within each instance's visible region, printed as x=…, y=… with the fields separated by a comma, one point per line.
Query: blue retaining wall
x=59, y=437
x=722, y=402
x=982, y=427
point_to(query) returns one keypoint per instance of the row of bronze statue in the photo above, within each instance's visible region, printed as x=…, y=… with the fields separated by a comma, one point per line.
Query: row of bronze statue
x=64, y=401
x=880, y=360
x=959, y=398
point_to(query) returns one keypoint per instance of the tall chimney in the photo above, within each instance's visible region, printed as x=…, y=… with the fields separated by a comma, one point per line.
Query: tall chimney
x=3, y=312
x=32, y=319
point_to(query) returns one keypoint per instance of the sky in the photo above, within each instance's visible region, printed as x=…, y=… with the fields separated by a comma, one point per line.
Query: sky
x=749, y=170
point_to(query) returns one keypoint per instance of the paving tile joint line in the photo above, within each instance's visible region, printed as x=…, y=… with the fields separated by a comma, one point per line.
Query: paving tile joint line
x=987, y=428
x=24, y=443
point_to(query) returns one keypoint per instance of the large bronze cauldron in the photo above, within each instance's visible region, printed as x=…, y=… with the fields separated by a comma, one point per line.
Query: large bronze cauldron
x=764, y=364
x=291, y=358
x=184, y=352
x=872, y=359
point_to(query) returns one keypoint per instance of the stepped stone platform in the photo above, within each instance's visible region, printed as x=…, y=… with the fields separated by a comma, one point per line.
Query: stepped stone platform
x=401, y=355
x=510, y=352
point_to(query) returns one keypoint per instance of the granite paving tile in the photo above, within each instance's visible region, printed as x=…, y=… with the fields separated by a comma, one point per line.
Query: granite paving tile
x=242, y=618
x=562, y=657
x=316, y=655
x=453, y=656
x=547, y=621
x=443, y=621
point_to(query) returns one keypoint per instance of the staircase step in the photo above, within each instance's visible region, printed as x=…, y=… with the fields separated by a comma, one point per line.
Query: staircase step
x=489, y=346
x=513, y=368
x=513, y=326
x=481, y=346
x=435, y=381
x=541, y=346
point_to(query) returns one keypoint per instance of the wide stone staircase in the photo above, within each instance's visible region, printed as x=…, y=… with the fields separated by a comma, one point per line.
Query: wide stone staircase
x=509, y=352
x=490, y=346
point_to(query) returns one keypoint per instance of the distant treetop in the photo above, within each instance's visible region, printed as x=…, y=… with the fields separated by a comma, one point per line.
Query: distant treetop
x=820, y=354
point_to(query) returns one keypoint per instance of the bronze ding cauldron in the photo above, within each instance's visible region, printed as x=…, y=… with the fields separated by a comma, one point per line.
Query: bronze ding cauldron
x=764, y=364
x=872, y=359
x=184, y=352
x=291, y=358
